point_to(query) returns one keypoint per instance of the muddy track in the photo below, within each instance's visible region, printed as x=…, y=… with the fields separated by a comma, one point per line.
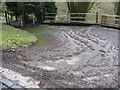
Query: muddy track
x=81, y=58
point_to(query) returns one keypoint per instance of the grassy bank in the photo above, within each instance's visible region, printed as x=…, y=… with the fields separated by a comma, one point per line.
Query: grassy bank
x=14, y=37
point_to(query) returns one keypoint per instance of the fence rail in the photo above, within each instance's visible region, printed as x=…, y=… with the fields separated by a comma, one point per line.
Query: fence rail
x=69, y=18
x=83, y=13
x=110, y=15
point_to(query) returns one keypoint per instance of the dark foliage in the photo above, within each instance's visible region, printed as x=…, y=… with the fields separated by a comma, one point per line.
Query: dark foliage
x=25, y=8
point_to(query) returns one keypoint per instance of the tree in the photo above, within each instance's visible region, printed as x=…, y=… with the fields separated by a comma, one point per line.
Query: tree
x=117, y=8
x=26, y=8
x=12, y=6
x=80, y=7
x=21, y=8
x=50, y=7
x=39, y=8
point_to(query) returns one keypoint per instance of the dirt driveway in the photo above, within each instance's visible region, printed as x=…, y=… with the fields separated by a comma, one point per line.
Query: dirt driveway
x=78, y=57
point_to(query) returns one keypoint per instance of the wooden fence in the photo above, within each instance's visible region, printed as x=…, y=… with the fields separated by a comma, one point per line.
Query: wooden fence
x=67, y=17
x=103, y=19
x=110, y=20
x=87, y=18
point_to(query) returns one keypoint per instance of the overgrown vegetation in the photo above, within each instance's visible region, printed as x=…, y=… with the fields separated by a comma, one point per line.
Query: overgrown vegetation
x=14, y=38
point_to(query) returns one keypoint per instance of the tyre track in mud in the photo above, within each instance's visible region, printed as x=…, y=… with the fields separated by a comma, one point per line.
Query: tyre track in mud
x=82, y=59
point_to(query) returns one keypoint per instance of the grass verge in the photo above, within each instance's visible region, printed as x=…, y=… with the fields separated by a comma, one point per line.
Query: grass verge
x=14, y=38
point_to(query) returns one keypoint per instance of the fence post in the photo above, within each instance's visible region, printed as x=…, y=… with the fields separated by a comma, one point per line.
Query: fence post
x=67, y=16
x=96, y=17
x=119, y=23
x=21, y=21
x=43, y=15
x=33, y=21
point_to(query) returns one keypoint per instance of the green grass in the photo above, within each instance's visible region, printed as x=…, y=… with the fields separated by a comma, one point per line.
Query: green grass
x=2, y=21
x=14, y=37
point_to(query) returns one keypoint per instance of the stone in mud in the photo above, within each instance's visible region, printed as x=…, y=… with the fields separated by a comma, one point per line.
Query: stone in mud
x=102, y=55
x=76, y=53
x=56, y=58
x=102, y=51
x=92, y=49
x=69, y=55
x=108, y=51
x=40, y=58
x=103, y=45
x=16, y=87
x=26, y=59
x=6, y=82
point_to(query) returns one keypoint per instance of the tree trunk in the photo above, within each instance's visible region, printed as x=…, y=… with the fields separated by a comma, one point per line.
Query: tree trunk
x=23, y=19
x=6, y=17
x=38, y=16
x=16, y=17
x=117, y=10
